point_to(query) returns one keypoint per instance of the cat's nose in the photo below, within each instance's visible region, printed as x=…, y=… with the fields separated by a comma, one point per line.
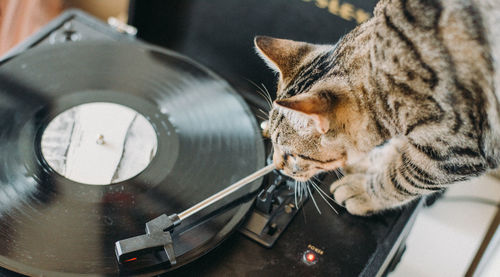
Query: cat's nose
x=296, y=168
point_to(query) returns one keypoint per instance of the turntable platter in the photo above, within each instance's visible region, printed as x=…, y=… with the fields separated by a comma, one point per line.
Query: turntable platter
x=206, y=138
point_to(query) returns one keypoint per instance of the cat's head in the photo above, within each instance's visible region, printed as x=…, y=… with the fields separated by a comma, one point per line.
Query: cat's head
x=315, y=124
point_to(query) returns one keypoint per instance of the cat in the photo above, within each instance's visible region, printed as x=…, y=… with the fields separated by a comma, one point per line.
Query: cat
x=407, y=103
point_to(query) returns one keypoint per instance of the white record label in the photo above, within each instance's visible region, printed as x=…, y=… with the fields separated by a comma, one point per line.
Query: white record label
x=99, y=143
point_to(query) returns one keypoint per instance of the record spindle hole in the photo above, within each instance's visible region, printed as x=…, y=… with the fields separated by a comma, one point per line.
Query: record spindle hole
x=99, y=143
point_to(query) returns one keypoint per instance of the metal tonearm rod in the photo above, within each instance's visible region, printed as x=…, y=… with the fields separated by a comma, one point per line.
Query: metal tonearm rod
x=158, y=230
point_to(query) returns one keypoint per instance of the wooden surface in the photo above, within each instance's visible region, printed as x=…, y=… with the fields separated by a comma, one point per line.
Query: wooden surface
x=21, y=18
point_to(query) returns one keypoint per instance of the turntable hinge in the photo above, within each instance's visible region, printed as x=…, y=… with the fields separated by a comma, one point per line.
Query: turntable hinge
x=122, y=27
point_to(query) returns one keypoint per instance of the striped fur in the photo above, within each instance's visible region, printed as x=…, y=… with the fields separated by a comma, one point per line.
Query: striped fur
x=421, y=77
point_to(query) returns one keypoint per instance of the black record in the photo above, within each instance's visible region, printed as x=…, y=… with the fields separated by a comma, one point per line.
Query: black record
x=207, y=139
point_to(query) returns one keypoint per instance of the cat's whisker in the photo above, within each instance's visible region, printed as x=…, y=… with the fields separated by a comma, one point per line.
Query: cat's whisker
x=316, y=178
x=295, y=194
x=312, y=197
x=267, y=92
x=269, y=103
x=262, y=93
x=261, y=117
x=264, y=86
x=264, y=113
x=338, y=173
x=299, y=191
x=305, y=189
x=323, y=194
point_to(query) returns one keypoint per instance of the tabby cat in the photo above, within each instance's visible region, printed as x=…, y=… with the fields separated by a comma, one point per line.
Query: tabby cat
x=407, y=103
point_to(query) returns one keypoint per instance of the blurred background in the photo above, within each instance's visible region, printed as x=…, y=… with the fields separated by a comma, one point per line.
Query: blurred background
x=217, y=33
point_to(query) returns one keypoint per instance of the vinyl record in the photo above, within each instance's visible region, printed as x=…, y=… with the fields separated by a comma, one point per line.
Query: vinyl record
x=202, y=137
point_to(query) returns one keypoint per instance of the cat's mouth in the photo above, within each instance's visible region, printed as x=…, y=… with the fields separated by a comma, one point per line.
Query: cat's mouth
x=312, y=171
x=301, y=176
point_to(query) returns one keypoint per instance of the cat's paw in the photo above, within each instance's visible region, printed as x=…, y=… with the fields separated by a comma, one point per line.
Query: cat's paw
x=351, y=192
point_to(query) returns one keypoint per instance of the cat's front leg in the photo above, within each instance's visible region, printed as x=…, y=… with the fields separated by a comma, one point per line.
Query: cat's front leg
x=359, y=191
x=364, y=194
x=387, y=178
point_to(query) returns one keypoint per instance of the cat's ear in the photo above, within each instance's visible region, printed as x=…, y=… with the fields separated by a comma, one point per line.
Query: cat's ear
x=282, y=55
x=317, y=106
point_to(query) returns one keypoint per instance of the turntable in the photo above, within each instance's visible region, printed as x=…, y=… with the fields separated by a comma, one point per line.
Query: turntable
x=72, y=191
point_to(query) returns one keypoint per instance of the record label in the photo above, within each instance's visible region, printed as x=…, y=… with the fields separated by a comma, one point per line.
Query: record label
x=99, y=143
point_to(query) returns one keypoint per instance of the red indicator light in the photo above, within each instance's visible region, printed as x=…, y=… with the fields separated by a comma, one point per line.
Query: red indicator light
x=130, y=260
x=309, y=257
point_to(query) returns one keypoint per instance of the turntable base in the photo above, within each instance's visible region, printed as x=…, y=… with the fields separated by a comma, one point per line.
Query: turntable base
x=342, y=245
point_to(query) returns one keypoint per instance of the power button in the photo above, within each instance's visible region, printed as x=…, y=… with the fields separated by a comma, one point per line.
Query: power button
x=310, y=257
